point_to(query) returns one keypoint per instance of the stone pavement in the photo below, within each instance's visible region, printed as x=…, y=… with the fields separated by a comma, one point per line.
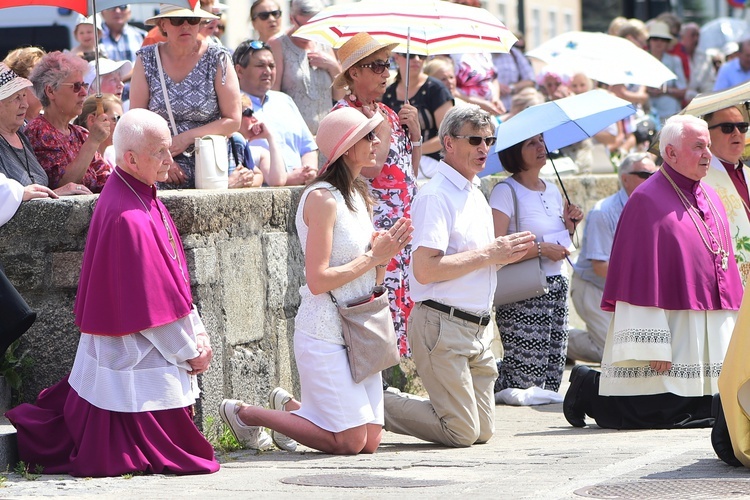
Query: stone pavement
x=534, y=454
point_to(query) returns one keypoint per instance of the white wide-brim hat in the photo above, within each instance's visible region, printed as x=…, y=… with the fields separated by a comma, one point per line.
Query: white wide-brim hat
x=10, y=82
x=167, y=10
x=341, y=129
x=107, y=66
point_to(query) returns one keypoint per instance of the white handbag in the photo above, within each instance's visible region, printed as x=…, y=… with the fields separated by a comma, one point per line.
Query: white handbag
x=211, y=152
x=211, y=162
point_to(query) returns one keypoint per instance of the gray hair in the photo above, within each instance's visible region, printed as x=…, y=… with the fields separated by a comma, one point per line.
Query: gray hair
x=133, y=131
x=630, y=160
x=52, y=70
x=674, y=129
x=456, y=117
x=306, y=7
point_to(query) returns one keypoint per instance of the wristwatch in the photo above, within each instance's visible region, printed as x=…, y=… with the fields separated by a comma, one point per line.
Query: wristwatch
x=414, y=144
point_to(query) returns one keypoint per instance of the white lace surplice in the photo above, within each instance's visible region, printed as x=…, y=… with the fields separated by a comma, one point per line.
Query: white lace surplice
x=144, y=371
x=694, y=341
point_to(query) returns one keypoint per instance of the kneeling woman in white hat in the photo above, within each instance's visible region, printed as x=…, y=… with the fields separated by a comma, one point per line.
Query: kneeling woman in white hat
x=346, y=256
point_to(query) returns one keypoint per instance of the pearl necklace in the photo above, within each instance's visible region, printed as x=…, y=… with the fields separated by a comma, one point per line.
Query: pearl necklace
x=170, y=236
x=723, y=240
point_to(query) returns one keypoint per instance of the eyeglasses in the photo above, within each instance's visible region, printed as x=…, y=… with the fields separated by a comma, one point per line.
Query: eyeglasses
x=121, y=7
x=116, y=118
x=77, y=86
x=370, y=136
x=642, y=174
x=247, y=112
x=265, y=15
x=476, y=140
x=244, y=49
x=728, y=127
x=377, y=67
x=179, y=21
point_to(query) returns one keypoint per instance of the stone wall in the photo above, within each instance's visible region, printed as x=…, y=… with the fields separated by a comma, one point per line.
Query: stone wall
x=246, y=268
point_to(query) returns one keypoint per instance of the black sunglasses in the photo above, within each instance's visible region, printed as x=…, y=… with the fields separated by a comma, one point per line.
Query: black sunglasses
x=247, y=112
x=642, y=174
x=179, y=21
x=370, y=136
x=728, y=127
x=121, y=7
x=377, y=67
x=245, y=48
x=265, y=15
x=476, y=140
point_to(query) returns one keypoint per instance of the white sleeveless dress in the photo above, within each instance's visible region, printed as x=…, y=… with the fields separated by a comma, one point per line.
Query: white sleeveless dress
x=330, y=398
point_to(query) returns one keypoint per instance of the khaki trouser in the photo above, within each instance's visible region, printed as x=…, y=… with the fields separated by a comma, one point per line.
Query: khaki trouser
x=588, y=345
x=454, y=360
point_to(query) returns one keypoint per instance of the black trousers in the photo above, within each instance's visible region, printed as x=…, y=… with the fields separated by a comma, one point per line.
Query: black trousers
x=653, y=411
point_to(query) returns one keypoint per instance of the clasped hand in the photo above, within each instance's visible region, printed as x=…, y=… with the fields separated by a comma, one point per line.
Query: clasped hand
x=387, y=243
x=511, y=248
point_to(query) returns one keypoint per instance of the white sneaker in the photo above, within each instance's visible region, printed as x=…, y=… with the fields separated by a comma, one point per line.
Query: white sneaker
x=277, y=400
x=249, y=436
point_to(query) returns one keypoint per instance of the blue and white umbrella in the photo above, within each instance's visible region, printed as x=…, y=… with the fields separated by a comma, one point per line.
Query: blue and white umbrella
x=562, y=122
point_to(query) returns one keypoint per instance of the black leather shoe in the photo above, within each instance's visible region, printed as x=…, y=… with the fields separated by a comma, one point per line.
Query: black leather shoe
x=720, y=439
x=572, y=410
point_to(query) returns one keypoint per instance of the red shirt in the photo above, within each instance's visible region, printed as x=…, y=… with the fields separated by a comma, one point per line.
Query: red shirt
x=55, y=151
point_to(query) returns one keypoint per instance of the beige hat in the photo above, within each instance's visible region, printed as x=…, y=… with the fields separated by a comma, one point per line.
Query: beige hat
x=340, y=129
x=10, y=82
x=659, y=29
x=167, y=10
x=354, y=50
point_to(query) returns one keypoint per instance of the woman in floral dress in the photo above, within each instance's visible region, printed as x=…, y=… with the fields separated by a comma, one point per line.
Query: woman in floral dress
x=364, y=65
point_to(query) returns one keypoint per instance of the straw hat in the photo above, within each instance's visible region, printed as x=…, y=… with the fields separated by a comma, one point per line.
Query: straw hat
x=354, y=50
x=340, y=129
x=659, y=29
x=107, y=66
x=10, y=82
x=166, y=11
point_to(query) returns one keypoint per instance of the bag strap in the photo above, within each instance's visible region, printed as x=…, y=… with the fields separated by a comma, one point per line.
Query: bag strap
x=515, y=204
x=164, y=90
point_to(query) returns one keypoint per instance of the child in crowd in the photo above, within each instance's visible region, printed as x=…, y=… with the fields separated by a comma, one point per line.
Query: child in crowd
x=85, y=34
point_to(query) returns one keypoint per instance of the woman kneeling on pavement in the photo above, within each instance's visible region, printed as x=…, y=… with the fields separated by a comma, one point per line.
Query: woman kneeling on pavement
x=344, y=255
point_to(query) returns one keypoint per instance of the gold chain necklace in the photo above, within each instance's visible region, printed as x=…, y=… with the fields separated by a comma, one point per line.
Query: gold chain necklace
x=720, y=226
x=175, y=254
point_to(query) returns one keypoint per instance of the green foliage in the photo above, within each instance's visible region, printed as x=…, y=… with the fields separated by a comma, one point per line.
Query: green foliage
x=15, y=364
x=22, y=469
x=220, y=437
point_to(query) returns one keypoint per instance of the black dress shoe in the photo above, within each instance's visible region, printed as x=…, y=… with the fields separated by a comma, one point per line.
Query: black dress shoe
x=720, y=439
x=572, y=405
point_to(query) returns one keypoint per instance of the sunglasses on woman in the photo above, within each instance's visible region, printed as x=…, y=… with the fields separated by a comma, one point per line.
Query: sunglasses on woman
x=728, y=127
x=179, y=21
x=476, y=140
x=370, y=136
x=377, y=67
x=77, y=86
x=247, y=112
x=263, y=16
